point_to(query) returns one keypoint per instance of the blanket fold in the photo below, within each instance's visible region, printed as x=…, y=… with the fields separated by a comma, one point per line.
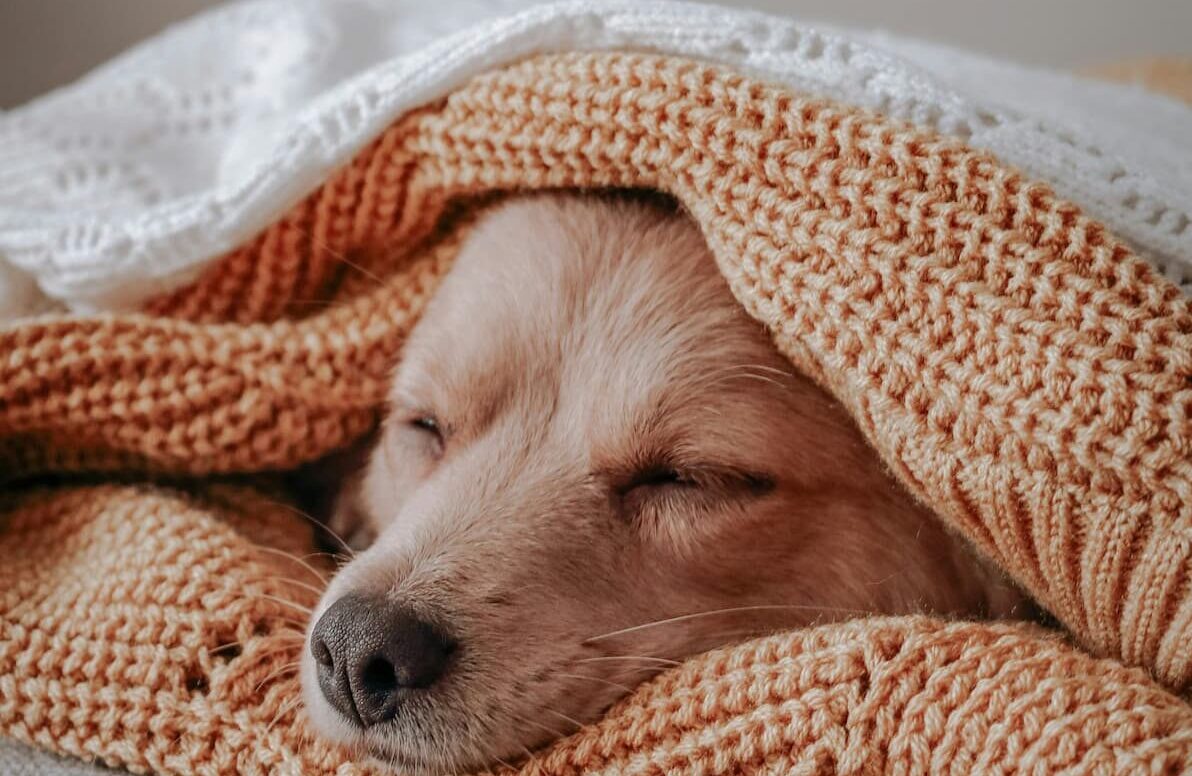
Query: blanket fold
x=1017, y=367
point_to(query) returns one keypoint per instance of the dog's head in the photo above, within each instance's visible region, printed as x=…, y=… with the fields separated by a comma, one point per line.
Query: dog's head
x=594, y=463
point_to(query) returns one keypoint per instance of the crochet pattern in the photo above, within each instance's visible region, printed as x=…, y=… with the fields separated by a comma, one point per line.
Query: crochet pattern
x=1017, y=367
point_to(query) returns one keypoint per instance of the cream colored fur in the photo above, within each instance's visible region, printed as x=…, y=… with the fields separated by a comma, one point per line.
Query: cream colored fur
x=626, y=473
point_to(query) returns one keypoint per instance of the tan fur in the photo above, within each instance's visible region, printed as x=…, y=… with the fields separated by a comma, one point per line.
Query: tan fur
x=577, y=343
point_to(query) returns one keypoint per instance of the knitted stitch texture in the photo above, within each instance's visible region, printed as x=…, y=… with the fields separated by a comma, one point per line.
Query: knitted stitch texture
x=129, y=183
x=1015, y=365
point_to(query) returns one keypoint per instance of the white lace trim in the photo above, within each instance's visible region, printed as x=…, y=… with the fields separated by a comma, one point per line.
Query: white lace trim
x=127, y=183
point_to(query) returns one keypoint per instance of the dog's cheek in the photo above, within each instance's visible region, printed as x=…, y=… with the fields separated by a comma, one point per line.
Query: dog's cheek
x=349, y=522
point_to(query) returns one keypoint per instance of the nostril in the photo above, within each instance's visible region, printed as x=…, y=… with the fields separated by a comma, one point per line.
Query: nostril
x=322, y=654
x=372, y=655
x=379, y=677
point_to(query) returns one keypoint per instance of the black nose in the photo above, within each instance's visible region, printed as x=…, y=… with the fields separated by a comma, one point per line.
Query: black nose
x=372, y=653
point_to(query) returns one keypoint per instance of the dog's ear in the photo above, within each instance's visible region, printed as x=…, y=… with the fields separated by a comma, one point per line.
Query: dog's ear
x=328, y=489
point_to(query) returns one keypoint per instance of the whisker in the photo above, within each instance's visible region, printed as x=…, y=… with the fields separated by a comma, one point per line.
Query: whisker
x=284, y=710
x=289, y=581
x=885, y=579
x=338, y=558
x=762, y=379
x=727, y=378
x=533, y=759
x=642, y=658
x=557, y=733
x=341, y=257
x=307, y=610
x=717, y=612
x=771, y=369
x=598, y=680
x=734, y=369
x=291, y=647
x=291, y=556
x=563, y=716
x=725, y=370
x=287, y=668
x=314, y=521
x=298, y=631
x=179, y=737
x=293, y=628
x=748, y=371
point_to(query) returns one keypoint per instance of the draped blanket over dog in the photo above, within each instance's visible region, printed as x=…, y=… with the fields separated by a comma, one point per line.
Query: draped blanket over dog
x=1017, y=367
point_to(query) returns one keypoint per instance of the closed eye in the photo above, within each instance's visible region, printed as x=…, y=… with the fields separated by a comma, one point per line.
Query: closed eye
x=716, y=481
x=428, y=426
x=659, y=476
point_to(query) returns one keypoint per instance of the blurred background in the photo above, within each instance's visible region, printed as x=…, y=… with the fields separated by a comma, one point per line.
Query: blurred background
x=47, y=43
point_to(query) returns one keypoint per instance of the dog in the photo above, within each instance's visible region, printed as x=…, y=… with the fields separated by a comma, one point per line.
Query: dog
x=594, y=464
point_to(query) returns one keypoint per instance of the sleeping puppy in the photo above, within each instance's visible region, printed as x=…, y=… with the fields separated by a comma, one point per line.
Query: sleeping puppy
x=596, y=463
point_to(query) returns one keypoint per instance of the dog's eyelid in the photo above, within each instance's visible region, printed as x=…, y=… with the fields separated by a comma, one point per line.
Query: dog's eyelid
x=425, y=421
x=704, y=476
x=429, y=423
x=426, y=424
x=733, y=479
x=658, y=475
x=403, y=410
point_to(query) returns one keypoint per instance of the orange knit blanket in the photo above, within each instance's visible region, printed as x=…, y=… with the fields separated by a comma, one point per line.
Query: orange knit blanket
x=1016, y=366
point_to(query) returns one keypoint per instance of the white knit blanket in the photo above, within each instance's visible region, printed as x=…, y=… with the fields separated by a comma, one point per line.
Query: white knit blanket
x=130, y=181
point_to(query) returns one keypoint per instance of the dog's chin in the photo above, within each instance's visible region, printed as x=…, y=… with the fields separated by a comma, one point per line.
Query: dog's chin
x=380, y=750
x=381, y=745
x=406, y=765
x=374, y=747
